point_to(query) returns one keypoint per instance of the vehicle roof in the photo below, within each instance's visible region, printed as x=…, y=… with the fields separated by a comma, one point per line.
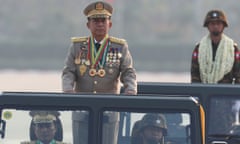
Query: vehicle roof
x=18, y=99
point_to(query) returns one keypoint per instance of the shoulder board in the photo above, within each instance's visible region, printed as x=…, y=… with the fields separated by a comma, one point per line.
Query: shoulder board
x=79, y=39
x=117, y=40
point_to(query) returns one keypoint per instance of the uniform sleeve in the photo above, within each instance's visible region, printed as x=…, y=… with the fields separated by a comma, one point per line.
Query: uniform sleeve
x=195, y=73
x=69, y=71
x=128, y=73
x=236, y=66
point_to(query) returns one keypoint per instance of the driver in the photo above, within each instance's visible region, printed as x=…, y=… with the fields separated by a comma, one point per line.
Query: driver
x=151, y=129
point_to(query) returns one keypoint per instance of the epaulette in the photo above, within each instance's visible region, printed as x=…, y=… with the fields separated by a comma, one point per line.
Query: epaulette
x=117, y=40
x=79, y=39
x=198, y=43
x=235, y=44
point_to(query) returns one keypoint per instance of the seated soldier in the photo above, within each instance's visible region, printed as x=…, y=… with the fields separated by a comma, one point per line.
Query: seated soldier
x=175, y=127
x=44, y=125
x=151, y=129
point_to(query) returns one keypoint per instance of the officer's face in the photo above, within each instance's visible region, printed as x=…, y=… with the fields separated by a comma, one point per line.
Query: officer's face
x=99, y=27
x=45, y=132
x=152, y=134
x=215, y=28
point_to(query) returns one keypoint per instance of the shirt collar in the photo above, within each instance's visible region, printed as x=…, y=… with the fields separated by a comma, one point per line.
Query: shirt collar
x=95, y=41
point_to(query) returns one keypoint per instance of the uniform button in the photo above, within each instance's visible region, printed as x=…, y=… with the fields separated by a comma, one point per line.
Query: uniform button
x=95, y=82
x=94, y=92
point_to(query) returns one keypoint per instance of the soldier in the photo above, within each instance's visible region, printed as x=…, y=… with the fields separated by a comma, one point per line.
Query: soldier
x=44, y=128
x=151, y=129
x=216, y=58
x=97, y=64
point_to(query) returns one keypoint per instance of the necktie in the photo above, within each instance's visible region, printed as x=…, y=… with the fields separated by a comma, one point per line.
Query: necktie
x=97, y=46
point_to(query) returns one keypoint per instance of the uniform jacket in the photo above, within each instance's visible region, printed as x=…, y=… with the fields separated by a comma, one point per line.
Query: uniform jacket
x=118, y=68
x=232, y=77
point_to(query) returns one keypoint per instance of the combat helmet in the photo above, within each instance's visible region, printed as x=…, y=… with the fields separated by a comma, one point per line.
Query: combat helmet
x=215, y=15
x=151, y=119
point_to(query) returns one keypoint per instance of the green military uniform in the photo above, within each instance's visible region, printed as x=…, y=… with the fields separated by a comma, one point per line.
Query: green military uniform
x=149, y=120
x=98, y=70
x=232, y=77
x=43, y=117
x=219, y=61
x=118, y=67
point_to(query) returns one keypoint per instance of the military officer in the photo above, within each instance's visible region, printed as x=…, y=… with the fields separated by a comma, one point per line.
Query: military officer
x=98, y=64
x=45, y=128
x=216, y=59
x=151, y=129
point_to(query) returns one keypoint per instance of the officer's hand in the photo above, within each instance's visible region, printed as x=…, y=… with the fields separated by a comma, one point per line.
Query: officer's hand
x=69, y=91
x=129, y=92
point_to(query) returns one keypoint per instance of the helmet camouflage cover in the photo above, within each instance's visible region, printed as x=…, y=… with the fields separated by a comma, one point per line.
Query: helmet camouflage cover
x=156, y=120
x=215, y=15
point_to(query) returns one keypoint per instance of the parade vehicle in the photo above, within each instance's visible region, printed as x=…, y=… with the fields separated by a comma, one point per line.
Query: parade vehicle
x=184, y=115
x=221, y=104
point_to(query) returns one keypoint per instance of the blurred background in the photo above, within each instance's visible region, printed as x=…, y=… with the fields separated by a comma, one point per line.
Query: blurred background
x=161, y=34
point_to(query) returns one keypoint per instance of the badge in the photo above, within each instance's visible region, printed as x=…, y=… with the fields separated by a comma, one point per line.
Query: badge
x=92, y=72
x=82, y=69
x=110, y=71
x=118, y=61
x=87, y=62
x=119, y=55
x=77, y=61
x=101, y=72
x=99, y=6
x=7, y=115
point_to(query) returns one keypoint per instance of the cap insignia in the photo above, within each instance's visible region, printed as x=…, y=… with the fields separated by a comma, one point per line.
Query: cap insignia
x=214, y=14
x=158, y=121
x=99, y=6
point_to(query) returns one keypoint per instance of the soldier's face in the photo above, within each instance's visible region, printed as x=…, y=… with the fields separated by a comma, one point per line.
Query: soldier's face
x=152, y=134
x=215, y=28
x=45, y=132
x=99, y=27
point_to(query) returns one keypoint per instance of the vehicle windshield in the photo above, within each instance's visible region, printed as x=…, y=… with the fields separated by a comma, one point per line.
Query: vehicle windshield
x=224, y=115
x=26, y=125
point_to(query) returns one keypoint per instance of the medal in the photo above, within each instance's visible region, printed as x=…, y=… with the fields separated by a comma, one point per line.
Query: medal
x=77, y=61
x=101, y=72
x=97, y=58
x=82, y=69
x=92, y=72
x=119, y=55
